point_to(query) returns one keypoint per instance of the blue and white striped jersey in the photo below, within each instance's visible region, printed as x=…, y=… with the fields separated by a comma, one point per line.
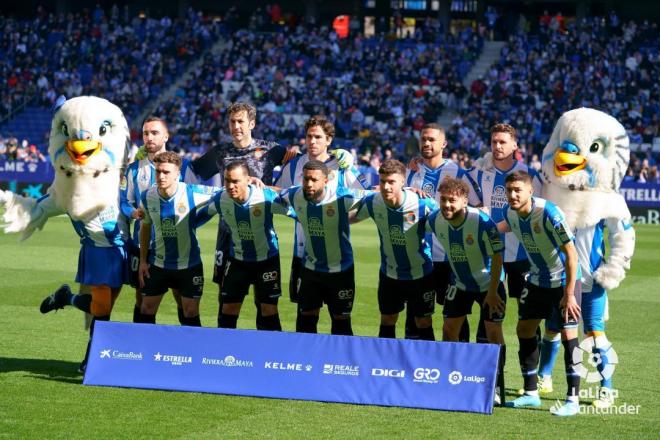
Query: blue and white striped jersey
x=493, y=197
x=174, y=221
x=470, y=247
x=108, y=228
x=405, y=248
x=140, y=175
x=428, y=180
x=327, y=246
x=542, y=233
x=291, y=175
x=590, y=245
x=253, y=236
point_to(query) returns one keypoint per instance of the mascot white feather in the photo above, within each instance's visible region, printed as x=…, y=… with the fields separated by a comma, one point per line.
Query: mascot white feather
x=583, y=165
x=88, y=147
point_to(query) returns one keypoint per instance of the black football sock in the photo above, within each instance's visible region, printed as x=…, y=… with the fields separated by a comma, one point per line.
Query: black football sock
x=387, y=331
x=412, y=332
x=192, y=321
x=82, y=302
x=426, y=334
x=136, y=314
x=528, y=354
x=146, y=318
x=228, y=321
x=182, y=317
x=572, y=377
x=271, y=323
x=307, y=323
x=341, y=327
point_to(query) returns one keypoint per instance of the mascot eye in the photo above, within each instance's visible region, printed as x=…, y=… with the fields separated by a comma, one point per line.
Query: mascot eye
x=595, y=147
x=102, y=130
x=65, y=129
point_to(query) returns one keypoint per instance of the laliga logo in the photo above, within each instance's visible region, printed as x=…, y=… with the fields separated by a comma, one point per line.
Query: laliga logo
x=455, y=377
x=595, y=359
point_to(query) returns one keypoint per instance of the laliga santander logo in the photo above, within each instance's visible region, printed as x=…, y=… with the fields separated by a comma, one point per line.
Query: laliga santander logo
x=455, y=377
x=595, y=359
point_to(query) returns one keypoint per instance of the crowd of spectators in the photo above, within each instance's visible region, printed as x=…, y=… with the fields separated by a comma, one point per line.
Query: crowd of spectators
x=127, y=59
x=596, y=62
x=11, y=150
x=379, y=90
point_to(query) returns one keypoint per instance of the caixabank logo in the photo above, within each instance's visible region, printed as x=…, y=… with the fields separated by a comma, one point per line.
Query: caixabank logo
x=110, y=353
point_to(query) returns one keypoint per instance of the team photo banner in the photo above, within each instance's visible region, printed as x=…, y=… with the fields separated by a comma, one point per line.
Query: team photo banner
x=327, y=368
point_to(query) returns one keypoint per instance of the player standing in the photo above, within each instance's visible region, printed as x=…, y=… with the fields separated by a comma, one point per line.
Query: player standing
x=175, y=209
x=139, y=177
x=328, y=274
x=551, y=288
x=406, y=266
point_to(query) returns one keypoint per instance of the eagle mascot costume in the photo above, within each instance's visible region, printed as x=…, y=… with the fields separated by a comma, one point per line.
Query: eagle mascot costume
x=583, y=165
x=88, y=147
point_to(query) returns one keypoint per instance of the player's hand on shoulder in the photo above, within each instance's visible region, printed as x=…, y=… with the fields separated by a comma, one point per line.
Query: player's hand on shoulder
x=257, y=182
x=415, y=164
x=290, y=153
x=419, y=192
x=138, y=214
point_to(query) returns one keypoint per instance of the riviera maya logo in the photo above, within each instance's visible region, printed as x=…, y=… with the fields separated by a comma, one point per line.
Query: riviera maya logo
x=601, y=361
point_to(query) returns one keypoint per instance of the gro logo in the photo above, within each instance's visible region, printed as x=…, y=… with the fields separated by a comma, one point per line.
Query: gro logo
x=427, y=375
x=269, y=276
x=345, y=294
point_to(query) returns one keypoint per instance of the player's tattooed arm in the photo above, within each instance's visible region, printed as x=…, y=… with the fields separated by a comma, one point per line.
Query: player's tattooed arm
x=503, y=227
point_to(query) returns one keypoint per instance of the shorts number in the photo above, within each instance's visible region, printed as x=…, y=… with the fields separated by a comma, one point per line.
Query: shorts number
x=219, y=256
x=451, y=293
x=227, y=267
x=135, y=264
x=523, y=295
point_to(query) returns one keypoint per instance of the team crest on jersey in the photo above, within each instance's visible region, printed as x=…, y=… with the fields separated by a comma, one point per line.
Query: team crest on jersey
x=537, y=228
x=123, y=183
x=144, y=178
x=258, y=153
x=181, y=208
x=256, y=212
x=428, y=188
x=410, y=217
x=331, y=175
x=470, y=239
x=330, y=211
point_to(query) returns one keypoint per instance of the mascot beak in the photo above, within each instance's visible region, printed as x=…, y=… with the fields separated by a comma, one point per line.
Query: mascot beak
x=568, y=159
x=80, y=151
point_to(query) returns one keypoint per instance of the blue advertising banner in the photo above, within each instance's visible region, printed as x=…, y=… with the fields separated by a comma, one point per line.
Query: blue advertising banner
x=32, y=172
x=641, y=194
x=346, y=369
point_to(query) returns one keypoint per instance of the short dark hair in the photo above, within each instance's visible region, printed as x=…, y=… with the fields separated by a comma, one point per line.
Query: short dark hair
x=433, y=126
x=323, y=122
x=449, y=185
x=237, y=164
x=518, y=176
x=237, y=107
x=314, y=165
x=504, y=128
x=168, y=157
x=392, y=166
x=153, y=118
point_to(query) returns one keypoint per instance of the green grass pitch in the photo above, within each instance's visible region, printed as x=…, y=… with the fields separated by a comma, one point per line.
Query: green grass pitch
x=41, y=395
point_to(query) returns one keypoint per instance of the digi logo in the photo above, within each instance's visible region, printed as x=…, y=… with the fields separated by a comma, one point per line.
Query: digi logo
x=384, y=372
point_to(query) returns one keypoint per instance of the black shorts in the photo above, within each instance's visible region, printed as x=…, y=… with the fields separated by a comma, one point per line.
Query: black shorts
x=337, y=290
x=222, y=245
x=190, y=282
x=133, y=264
x=294, y=279
x=239, y=275
x=515, y=277
x=543, y=303
x=459, y=303
x=441, y=279
x=394, y=294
